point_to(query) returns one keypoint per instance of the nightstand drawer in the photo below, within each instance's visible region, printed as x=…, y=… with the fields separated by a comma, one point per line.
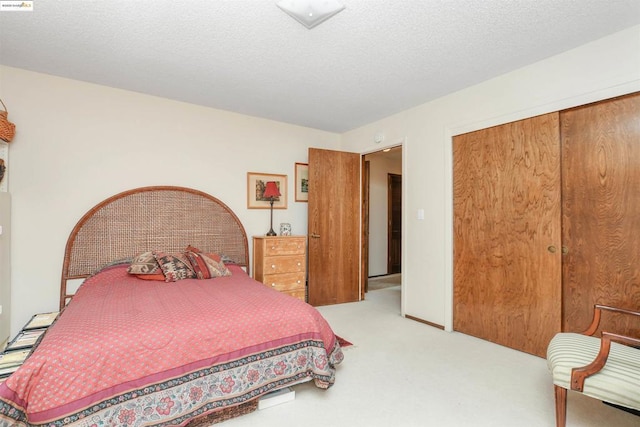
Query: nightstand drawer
x=289, y=246
x=301, y=294
x=284, y=264
x=285, y=282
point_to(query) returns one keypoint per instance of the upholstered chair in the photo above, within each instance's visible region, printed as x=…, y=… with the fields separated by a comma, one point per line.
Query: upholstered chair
x=605, y=368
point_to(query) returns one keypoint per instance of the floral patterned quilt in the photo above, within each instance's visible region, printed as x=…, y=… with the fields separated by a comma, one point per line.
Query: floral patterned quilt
x=132, y=352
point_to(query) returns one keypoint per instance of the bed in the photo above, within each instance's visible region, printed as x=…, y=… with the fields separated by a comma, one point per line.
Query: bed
x=131, y=352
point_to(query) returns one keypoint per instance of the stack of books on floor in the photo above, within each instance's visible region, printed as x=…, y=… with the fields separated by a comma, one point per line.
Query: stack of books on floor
x=276, y=397
x=20, y=347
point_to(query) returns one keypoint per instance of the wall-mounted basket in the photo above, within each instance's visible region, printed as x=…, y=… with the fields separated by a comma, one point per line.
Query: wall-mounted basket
x=7, y=129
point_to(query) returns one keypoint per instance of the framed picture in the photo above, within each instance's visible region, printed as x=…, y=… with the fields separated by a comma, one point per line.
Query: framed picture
x=302, y=182
x=256, y=184
x=41, y=320
x=25, y=339
x=11, y=359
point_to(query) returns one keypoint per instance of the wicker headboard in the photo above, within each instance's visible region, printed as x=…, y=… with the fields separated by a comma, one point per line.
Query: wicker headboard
x=151, y=218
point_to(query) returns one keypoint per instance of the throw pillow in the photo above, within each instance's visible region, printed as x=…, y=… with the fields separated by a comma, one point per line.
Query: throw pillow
x=174, y=266
x=207, y=266
x=145, y=263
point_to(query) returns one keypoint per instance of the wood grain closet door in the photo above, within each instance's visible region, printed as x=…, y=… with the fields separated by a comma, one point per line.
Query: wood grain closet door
x=507, y=257
x=601, y=211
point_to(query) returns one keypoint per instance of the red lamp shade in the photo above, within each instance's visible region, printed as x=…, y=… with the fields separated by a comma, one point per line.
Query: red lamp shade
x=271, y=190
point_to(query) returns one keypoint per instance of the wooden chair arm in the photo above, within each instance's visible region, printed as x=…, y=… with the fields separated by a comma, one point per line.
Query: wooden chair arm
x=578, y=375
x=597, y=313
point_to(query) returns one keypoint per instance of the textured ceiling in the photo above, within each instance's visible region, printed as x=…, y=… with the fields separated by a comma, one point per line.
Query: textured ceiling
x=373, y=59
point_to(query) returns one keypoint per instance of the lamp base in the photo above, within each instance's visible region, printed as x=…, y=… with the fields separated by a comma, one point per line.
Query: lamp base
x=271, y=232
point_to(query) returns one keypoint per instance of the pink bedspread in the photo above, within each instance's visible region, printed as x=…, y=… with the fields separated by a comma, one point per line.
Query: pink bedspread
x=132, y=352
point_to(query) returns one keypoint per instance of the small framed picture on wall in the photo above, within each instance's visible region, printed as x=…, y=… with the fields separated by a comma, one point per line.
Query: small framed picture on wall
x=257, y=184
x=302, y=182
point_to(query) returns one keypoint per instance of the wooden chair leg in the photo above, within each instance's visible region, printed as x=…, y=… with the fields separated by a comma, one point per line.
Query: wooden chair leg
x=561, y=406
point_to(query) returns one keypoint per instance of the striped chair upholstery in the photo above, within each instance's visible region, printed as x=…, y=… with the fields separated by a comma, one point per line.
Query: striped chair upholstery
x=618, y=382
x=606, y=368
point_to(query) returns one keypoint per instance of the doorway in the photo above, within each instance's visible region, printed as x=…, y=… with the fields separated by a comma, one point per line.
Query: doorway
x=382, y=212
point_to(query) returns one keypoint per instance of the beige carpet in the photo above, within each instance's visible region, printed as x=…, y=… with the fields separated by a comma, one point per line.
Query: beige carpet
x=402, y=373
x=382, y=282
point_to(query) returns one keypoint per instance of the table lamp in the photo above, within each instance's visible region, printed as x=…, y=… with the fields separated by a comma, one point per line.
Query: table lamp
x=270, y=192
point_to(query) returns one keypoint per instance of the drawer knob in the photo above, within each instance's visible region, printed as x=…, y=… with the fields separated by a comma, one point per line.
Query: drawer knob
x=298, y=281
x=273, y=285
x=299, y=264
x=273, y=247
x=273, y=266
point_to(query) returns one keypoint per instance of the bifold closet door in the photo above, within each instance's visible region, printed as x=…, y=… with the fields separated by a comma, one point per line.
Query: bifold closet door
x=601, y=211
x=507, y=233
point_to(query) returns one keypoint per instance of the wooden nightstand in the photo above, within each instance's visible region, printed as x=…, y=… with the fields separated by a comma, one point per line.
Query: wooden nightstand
x=281, y=263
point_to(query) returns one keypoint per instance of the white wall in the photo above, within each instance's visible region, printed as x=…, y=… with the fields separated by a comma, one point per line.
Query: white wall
x=379, y=169
x=602, y=69
x=5, y=267
x=78, y=143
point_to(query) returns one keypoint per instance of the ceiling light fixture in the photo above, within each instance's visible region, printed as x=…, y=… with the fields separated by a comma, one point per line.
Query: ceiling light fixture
x=310, y=12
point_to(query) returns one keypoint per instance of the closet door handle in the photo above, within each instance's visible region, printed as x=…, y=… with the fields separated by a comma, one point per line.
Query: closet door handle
x=315, y=236
x=553, y=249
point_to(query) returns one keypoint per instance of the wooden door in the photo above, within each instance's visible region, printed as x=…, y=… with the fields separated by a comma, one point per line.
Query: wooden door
x=334, y=227
x=364, y=271
x=601, y=211
x=507, y=257
x=394, y=227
